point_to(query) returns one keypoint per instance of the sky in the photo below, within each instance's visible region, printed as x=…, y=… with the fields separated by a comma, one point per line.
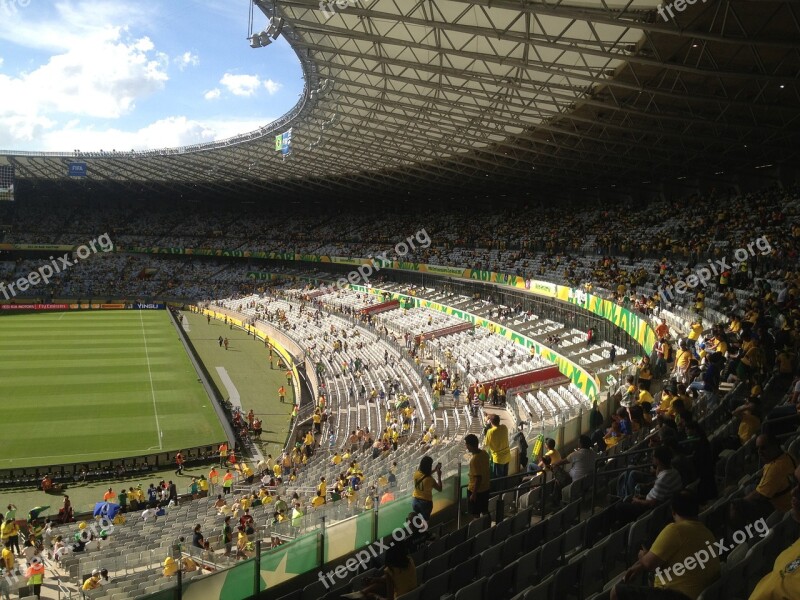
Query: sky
x=136, y=74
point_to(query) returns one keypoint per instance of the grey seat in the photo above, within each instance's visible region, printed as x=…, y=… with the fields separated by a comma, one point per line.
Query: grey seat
x=435, y=587
x=413, y=594
x=541, y=591
x=482, y=541
x=501, y=583
x=551, y=555
x=527, y=571
x=489, y=560
x=573, y=538
x=473, y=591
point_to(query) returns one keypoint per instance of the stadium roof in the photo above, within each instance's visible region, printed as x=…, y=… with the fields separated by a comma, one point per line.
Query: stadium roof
x=443, y=96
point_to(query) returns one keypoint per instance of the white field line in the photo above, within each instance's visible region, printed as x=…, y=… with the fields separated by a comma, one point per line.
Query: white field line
x=152, y=388
x=235, y=399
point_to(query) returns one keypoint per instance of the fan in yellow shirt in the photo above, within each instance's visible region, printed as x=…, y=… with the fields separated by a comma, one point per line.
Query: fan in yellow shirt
x=666, y=402
x=695, y=330
x=748, y=426
x=783, y=583
x=496, y=442
x=170, y=566
x=675, y=555
x=735, y=326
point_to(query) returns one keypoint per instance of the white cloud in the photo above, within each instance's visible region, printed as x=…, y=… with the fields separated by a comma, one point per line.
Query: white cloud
x=241, y=85
x=172, y=131
x=187, y=59
x=47, y=136
x=69, y=23
x=272, y=86
x=100, y=77
x=212, y=94
x=97, y=71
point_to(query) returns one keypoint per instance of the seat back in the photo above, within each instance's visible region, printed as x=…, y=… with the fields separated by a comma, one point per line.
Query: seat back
x=473, y=591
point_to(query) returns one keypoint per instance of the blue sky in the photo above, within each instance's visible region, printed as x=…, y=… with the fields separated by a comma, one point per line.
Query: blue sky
x=136, y=74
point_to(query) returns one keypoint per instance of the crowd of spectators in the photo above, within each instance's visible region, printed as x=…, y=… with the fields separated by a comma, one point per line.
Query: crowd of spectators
x=606, y=247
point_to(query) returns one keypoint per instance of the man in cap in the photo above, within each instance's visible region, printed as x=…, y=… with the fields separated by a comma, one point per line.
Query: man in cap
x=93, y=582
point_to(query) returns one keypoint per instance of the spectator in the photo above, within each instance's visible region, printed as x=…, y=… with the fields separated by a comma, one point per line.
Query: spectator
x=170, y=567
x=677, y=542
x=399, y=578
x=197, y=537
x=9, y=562
x=773, y=492
x=28, y=550
x=242, y=542
x=92, y=582
x=247, y=521
x=522, y=444
x=749, y=424
x=319, y=500
x=35, y=575
x=496, y=441
x=173, y=493
x=783, y=582
x=645, y=374
x=424, y=484
x=581, y=462
x=479, y=485
x=9, y=532
x=227, y=535
x=667, y=483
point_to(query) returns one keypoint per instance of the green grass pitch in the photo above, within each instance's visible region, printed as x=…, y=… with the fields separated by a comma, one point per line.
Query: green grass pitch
x=80, y=387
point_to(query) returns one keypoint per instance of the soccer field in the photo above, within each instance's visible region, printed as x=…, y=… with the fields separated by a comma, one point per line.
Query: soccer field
x=91, y=386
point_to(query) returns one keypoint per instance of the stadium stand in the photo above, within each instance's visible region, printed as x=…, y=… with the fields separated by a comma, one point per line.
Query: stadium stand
x=521, y=551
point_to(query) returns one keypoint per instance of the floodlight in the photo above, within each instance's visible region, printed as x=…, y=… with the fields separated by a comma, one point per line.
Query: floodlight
x=275, y=27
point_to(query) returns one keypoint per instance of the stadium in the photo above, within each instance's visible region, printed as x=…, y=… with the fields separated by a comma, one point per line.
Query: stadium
x=505, y=306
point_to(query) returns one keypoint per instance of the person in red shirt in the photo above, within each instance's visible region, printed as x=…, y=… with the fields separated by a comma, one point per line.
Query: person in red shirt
x=179, y=461
x=109, y=496
x=662, y=330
